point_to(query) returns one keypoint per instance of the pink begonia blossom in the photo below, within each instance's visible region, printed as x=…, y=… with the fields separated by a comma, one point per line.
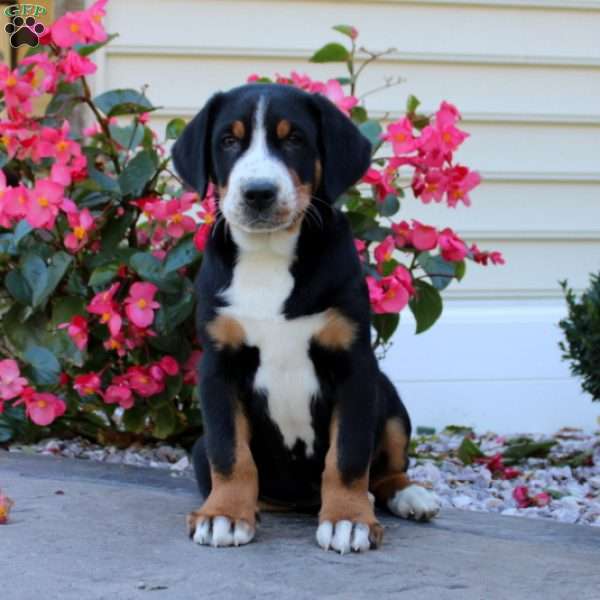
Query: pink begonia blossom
x=17, y=89
x=74, y=66
x=482, y=257
x=11, y=382
x=402, y=234
x=208, y=216
x=451, y=246
x=43, y=204
x=5, y=193
x=424, y=237
x=169, y=365
x=430, y=185
x=390, y=294
x=15, y=202
x=140, y=304
x=56, y=143
x=382, y=181
x=77, y=328
x=384, y=250
x=178, y=222
x=334, y=91
x=81, y=27
x=42, y=407
x=104, y=305
x=461, y=182
x=87, y=384
x=140, y=381
x=400, y=135
x=81, y=224
x=45, y=72
x=190, y=368
x=119, y=394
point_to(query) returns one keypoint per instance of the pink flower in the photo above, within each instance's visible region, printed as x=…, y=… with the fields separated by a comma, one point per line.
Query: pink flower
x=103, y=304
x=402, y=234
x=169, y=365
x=81, y=224
x=447, y=114
x=451, y=246
x=56, y=143
x=208, y=214
x=140, y=304
x=144, y=118
x=382, y=181
x=74, y=66
x=400, y=135
x=190, y=368
x=424, y=237
x=87, y=384
x=11, y=382
x=42, y=407
x=461, y=182
x=141, y=381
x=178, y=222
x=72, y=28
x=43, y=204
x=521, y=496
x=429, y=185
x=119, y=394
x=15, y=202
x=334, y=91
x=483, y=257
x=385, y=250
x=96, y=13
x=45, y=73
x=390, y=294
x=17, y=90
x=5, y=191
x=77, y=328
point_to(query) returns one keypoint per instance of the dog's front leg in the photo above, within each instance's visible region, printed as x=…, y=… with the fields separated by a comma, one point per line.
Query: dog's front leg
x=347, y=520
x=228, y=515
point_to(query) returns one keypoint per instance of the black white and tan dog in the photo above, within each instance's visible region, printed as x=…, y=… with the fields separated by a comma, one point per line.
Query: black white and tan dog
x=297, y=414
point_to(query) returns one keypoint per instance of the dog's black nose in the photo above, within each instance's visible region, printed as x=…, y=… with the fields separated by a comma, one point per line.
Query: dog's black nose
x=260, y=195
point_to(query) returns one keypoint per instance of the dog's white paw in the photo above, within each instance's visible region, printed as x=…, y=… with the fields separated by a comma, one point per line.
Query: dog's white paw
x=415, y=502
x=222, y=531
x=345, y=536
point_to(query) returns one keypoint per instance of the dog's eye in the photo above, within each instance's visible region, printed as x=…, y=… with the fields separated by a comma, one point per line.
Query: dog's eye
x=294, y=139
x=229, y=141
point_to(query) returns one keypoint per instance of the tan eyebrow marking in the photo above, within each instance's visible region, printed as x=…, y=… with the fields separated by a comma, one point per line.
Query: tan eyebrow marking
x=238, y=129
x=283, y=129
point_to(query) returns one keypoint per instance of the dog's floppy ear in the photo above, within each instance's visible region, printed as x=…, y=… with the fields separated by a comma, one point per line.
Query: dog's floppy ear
x=191, y=152
x=345, y=152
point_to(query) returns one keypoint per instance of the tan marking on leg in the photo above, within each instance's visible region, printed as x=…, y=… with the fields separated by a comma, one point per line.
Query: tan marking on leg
x=346, y=502
x=303, y=198
x=338, y=333
x=234, y=495
x=283, y=129
x=238, y=129
x=394, y=444
x=226, y=332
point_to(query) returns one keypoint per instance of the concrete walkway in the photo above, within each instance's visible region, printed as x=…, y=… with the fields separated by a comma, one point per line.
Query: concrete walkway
x=85, y=531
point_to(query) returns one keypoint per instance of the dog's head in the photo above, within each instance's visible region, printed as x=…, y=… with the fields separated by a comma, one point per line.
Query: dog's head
x=270, y=150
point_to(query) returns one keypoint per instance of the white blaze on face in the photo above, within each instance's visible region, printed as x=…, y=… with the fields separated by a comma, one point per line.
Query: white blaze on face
x=257, y=163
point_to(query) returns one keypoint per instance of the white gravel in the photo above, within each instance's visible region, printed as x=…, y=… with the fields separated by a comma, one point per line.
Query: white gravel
x=564, y=485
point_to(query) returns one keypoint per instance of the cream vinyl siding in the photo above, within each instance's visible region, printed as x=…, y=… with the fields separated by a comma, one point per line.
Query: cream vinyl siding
x=526, y=76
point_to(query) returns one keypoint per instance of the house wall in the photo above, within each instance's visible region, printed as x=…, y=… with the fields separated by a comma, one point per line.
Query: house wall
x=526, y=75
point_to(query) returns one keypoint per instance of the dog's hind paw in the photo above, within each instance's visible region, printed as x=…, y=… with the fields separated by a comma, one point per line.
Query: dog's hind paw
x=345, y=536
x=220, y=531
x=414, y=502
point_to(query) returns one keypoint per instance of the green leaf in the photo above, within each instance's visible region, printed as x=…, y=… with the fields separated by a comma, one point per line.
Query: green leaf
x=165, y=420
x=22, y=230
x=94, y=199
x=35, y=272
x=90, y=48
x=420, y=121
x=6, y=433
x=412, y=103
x=372, y=131
x=102, y=180
x=137, y=174
x=114, y=232
x=134, y=418
x=333, y=52
x=129, y=137
x=345, y=29
x=102, y=275
x=175, y=309
x=183, y=254
x=468, y=451
x=122, y=102
x=440, y=271
x=390, y=206
x=528, y=449
x=359, y=114
x=65, y=308
x=3, y=158
x=460, y=268
x=59, y=265
x=149, y=268
x=18, y=287
x=174, y=128
x=386, y=325
x=67, y=95
x=45, y=368
x=426, y=305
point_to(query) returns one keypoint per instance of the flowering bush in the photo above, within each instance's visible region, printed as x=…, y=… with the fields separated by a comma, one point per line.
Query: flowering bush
x=99, y=243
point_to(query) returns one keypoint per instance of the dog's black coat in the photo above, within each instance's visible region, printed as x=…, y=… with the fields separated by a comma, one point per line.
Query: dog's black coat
x=327, y=274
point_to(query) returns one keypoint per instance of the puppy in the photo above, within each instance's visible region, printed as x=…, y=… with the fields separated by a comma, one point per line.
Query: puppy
x=297, y=414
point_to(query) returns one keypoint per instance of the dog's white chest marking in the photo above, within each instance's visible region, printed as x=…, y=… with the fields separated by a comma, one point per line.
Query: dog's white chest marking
x=261, y=284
